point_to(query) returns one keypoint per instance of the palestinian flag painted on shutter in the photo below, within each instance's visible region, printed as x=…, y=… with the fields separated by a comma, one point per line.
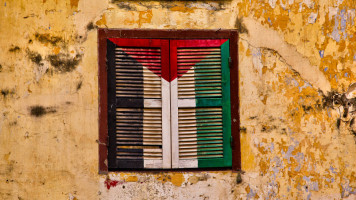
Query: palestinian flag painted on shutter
x=200, y=103
x=138, y=103
x=168, y=103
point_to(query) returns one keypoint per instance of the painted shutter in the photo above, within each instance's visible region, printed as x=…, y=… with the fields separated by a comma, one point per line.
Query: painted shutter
x=200, y=103
x=138, y=103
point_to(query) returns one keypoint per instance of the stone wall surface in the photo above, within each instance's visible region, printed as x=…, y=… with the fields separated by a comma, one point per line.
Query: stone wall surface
x=297, y=99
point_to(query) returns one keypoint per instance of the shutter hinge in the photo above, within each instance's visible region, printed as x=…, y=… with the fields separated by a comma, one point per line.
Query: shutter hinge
x=232, y=142
x=230, y=62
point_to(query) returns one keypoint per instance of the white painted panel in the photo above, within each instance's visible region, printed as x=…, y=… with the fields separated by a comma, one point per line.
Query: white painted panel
x=166, y=121
x=192, y=163
x=186, y=103
x=152, y=164
x=174, y=124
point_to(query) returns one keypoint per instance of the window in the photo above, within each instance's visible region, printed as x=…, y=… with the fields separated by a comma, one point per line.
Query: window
x=168, y=99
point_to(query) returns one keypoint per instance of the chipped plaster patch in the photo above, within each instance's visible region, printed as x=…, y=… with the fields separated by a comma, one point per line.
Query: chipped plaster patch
x=312, y=18
x=272, y=3
x=90, y=10
x=309, y=3
x=208, y=6
x=41, y=70
x=256, y=60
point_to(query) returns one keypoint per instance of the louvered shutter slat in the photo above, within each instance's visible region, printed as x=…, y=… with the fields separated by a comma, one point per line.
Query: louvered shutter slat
x=201, y=101
x=138, y=129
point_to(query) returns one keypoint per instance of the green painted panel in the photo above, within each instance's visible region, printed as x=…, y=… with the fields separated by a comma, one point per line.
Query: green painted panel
x=208, y=92
x=210, y=138
x=201, y=64
x=207, y=142
x=210, y=134
x=207, y=124
x=211, y=85
x=205, y=82
x=209, y=146
x=212, y=162
x=207, y=96
x=210, y=120
x=200, y=132
x=210, y=149
x=205, y=70
x=208, y=102
x=225, y=70
x=209, y=153
x=202, y=78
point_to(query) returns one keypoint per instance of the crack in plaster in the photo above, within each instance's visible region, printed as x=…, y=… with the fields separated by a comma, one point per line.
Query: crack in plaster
x=259, y=68
x=272, y=40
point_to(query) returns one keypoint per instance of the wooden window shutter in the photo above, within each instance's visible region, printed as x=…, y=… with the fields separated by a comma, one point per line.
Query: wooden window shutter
x=138, y=103
x=200, y=103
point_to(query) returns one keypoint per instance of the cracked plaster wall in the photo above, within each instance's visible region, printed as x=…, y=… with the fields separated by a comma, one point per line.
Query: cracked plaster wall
x=296, y=64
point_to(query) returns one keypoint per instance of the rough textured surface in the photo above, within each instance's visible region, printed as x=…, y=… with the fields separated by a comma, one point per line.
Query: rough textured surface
x=297, y=64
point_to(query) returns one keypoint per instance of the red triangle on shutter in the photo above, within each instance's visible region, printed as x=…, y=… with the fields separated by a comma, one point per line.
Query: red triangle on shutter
x=191, y=53
x=191, y=58
x=147, y=61
x=147, y=58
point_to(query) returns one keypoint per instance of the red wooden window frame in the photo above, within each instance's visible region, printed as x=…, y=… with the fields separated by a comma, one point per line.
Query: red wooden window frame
x=104, y=34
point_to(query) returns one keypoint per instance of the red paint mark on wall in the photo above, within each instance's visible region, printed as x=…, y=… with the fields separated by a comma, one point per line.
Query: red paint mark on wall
x=111, y=183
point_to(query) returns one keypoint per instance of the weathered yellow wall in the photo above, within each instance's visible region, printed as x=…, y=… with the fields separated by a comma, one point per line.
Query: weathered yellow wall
x=296, y=59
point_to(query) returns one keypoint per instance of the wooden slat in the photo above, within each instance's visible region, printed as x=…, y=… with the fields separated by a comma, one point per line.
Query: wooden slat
x=133, y=79
x=200, y=133
x=199, y=56
x=138, y=49
x=179, y=50
x=139, y=133
x=198, y=62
